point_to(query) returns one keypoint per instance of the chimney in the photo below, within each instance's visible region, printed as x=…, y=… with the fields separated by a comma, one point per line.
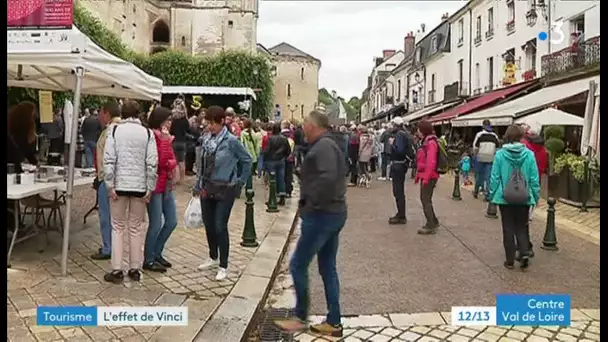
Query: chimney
x=422, y=27
x=409, y=44
x=386, y=54
x=445, y=16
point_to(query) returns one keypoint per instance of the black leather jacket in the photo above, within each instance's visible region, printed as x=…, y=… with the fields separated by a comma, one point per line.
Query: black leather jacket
x=277, y=148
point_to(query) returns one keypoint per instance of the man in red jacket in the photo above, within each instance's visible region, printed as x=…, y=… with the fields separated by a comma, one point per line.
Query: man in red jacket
x=535, y=143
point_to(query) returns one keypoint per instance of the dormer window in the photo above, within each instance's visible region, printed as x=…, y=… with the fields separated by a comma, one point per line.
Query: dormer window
x=434, y=44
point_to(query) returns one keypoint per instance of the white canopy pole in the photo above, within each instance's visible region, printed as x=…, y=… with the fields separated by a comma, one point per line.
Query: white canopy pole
x=78, y=73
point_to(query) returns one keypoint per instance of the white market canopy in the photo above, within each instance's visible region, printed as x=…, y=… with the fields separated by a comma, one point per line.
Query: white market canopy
x=503, y=114
x=552, y=117
x=104, y=73
x=209, y=91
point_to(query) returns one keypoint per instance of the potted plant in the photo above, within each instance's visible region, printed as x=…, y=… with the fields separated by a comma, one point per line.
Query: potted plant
x=554, y=143
x=529, y=75
x=576, y=175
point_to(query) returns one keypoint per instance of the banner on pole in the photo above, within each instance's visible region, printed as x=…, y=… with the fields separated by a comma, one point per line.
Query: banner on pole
x=45, y=105
x=39, y=25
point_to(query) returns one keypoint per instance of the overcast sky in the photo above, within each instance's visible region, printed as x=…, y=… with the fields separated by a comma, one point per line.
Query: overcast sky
x=346, y=35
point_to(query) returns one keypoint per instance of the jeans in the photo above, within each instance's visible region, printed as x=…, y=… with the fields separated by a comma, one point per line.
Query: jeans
x=482, y=177
x=260, y=163
x=278, y=168
x=160, y=206
x=215, y=217
x=515, y=233
x=105, y=224
x=89, y=152
x=426, y=198
x=319, y=236
x=398, y=171
x=289, y=168
x=384, y=164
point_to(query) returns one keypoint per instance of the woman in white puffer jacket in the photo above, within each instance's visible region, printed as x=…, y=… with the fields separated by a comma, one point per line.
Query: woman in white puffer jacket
x=130, y=172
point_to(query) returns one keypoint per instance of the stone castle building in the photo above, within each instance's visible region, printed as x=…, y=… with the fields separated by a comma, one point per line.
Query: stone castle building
x=193, y=26
x=296, y=82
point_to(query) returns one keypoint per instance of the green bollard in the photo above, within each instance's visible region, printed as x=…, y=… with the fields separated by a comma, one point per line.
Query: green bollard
x=456, y=192
x=249, y=238
x=492, y=211
x=271, y=205
x=550, y=238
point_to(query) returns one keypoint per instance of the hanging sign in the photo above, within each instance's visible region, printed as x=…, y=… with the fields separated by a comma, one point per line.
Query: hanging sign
x=45, y=105
x=509, y=71
x=39, y=25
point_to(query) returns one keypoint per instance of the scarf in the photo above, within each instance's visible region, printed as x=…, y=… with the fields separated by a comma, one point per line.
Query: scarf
x=211, y=142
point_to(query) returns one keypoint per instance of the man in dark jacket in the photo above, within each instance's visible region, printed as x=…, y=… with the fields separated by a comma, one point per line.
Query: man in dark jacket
x=275, y=156
x=402, y=153
x=323, y=212
x=290, y=160
x=386, y=149
x=91, y=129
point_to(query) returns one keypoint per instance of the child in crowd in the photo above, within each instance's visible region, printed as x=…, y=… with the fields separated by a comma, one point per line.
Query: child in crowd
x=465, y=168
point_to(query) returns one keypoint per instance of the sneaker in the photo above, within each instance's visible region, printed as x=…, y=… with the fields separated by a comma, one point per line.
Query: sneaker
x=164, y=262
x=115, y=277
x=508, y=265
x=210, y=263
x=327, y=329
x=397, y=220
x=524, y=262
x=101, y=256
x=381, y=178
x=427, y=230
x=291, y=325
x=154, y=266
x=221, y=274
x=134, y=274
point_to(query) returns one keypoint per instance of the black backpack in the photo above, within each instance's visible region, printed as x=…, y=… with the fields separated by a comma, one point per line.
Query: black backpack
x=410, y=147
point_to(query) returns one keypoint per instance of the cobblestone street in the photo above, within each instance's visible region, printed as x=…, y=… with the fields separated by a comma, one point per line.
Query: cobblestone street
x=35, y=280
x=399, y=286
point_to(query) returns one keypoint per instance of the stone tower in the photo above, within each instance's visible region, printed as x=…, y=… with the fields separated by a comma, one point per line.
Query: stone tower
x=193, y=26
x=296, y=84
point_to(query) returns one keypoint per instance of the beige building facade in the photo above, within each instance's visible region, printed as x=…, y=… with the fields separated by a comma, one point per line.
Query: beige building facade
x=197, y=27
x=296, y=83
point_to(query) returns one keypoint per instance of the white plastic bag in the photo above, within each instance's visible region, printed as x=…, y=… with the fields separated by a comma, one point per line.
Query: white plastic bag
x=193, y=217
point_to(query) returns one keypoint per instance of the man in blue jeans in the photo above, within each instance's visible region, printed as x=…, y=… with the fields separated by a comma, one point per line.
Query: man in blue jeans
x=108, y=116
x=323, y=213
x=485, y=145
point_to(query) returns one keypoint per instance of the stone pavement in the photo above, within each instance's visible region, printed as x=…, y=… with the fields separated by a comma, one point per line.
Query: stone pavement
x=390, y=269
x=585, y=225
x=35, y=280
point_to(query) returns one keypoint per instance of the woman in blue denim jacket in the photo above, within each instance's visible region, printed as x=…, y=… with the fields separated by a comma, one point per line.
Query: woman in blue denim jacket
x=218, y=183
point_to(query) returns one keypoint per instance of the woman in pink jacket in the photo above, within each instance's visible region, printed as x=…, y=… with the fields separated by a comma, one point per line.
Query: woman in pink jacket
x=162, y=201
x=426, y=174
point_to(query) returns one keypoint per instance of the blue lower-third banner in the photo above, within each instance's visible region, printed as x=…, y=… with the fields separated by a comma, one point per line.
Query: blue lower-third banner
x=111, y=315
x=533, y=309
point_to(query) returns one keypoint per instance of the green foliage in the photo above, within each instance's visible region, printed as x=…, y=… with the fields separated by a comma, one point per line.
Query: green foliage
x=557, y=132
x=325, y=97
x=352, y=106
x=576, y=165
x=555, y=146
x=227, y=69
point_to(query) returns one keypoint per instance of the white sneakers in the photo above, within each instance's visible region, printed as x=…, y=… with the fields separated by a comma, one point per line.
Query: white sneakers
x=210, y=263
x=221, y=274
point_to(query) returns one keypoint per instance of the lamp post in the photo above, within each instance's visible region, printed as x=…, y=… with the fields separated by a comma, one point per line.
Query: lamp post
x=292, y=110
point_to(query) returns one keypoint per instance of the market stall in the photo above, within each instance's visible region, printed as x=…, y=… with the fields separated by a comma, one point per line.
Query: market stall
x=86, y=69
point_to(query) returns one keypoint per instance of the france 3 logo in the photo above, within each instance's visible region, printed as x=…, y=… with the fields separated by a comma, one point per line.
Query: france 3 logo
x=557, y=33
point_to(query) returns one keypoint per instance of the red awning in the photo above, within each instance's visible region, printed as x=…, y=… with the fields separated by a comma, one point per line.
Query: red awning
x=478, y=102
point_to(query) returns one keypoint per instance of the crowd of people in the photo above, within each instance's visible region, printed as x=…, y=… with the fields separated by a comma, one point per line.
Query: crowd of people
x=141, y=157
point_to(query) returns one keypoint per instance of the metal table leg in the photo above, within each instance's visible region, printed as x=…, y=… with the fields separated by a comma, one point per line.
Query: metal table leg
x=95, y=207
x=14, y=238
